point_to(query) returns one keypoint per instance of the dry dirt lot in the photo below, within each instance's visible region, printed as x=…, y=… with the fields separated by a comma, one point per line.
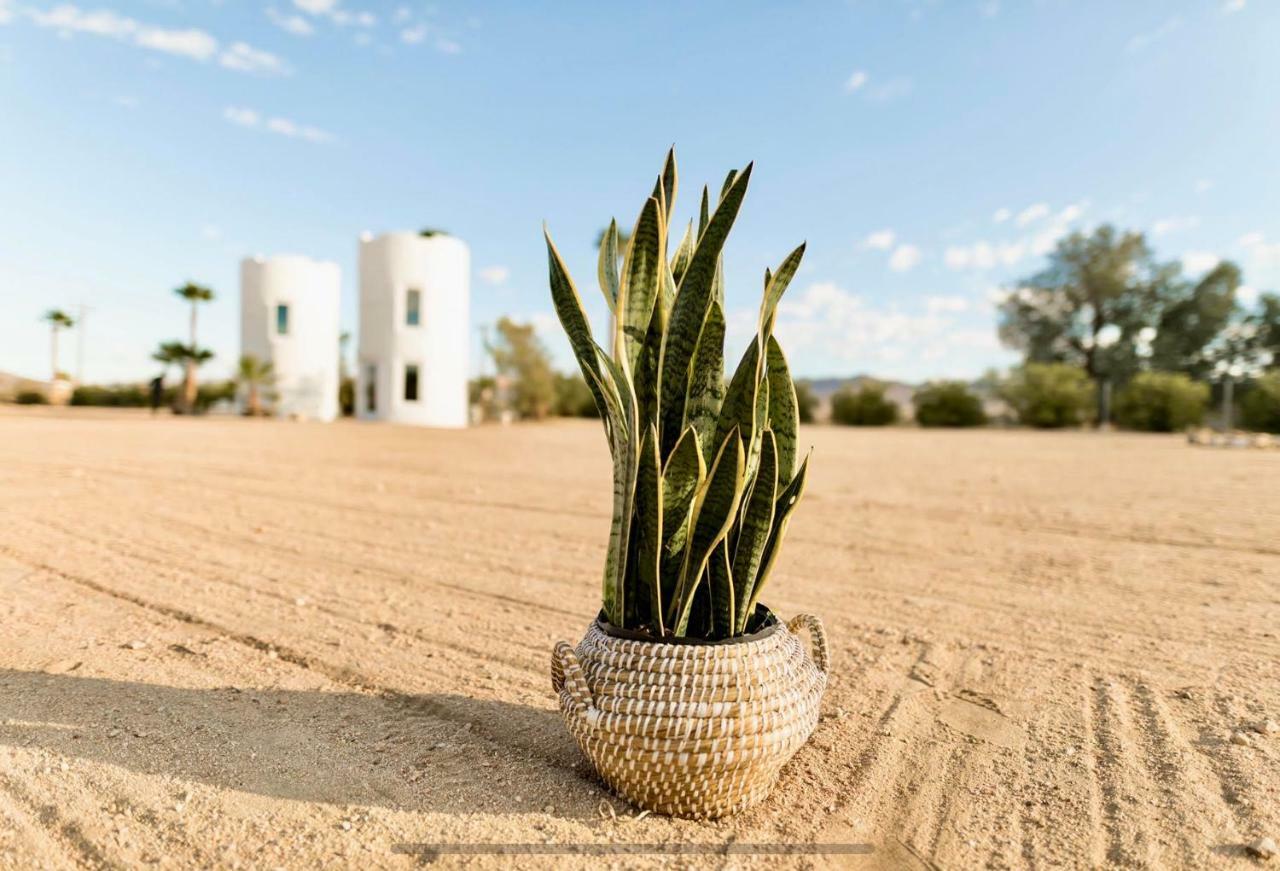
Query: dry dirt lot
x=229, y=642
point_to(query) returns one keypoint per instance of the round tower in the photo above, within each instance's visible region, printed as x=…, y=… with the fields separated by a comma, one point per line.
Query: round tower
x=415, y=313
x=289, y=318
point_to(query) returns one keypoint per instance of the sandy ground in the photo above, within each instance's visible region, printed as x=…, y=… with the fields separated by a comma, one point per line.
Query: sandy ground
x=257, y=644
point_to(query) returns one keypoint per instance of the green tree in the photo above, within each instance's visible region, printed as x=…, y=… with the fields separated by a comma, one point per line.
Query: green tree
x=1265, y=328
x=948, y=403
x=806, y=402
x=193, y=294
x=1161, y=402
x=1260, y=406
x=1091, y=305
x=524, y=369
x=866, y=406
x=1191, y=321
x=255, y=376
x=573, y=397
x=189, y=358
x=58, y=320
x=1048, y=395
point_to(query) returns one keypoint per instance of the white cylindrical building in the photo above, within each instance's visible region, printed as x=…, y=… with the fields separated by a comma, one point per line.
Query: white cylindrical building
x=289, y=318
x=415, y=324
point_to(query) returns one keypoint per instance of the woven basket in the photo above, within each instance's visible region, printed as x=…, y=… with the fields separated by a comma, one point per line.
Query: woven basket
x=692, y=729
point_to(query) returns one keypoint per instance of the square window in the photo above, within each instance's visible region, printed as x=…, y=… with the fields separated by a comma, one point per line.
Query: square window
x=411, y=383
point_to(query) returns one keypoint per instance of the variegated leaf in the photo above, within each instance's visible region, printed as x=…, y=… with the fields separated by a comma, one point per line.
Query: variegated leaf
x=684, y=253
x=714, y=509
x=706, y=380
x=684, y=473
x=784, y=409
x=757, y=523
x=720, y=576
x=607, y=266
x=782, y=510
x=573, y=318
x=641, y=277
x=693, y=298
x=649, y=522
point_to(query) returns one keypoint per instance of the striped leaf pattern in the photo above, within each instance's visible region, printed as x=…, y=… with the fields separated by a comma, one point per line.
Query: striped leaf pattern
x=704, y=479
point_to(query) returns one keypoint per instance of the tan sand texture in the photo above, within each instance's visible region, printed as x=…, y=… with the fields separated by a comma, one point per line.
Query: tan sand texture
x=229, y=643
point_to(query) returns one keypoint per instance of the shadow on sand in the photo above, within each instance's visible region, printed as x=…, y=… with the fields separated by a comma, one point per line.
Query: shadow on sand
x=430, y=753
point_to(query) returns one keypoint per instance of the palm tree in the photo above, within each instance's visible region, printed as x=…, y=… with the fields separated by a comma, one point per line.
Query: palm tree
x=187, y=356
x=194, y=294
x=57, y=320
x=254, y=374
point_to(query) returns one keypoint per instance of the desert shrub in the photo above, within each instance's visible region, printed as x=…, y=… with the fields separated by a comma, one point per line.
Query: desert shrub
x=114, y=396
x=948, y=403
x=574, y=397
x=866, y=406
x=1049, y=395
x=806, y=402
x=1161, y=402
x=31, y=397
x=1260, y=407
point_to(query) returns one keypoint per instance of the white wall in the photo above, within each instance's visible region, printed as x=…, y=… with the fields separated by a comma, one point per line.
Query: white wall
x=438, y=267
x=305, y=359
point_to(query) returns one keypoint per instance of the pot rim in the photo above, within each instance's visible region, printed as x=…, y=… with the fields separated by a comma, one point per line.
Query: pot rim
x=769, y=624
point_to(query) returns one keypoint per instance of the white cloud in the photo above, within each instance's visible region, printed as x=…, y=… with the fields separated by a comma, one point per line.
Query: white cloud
x=1247, y=294
x=984, y=255
x=212, y=232
x=1249, y=240
x=281, y=126
x=1174, y=224
x=1140, y=41
x=247, y=59
x=856, y=80
x=192, y=43
x=942, y=304
x=317, y=7
x=243, y=117
x=829, y=325
x=1231, y=6
x=6, y=11
x=448, y=46
x=880, y=240
x=1203, y=184
x=904, y=258
x=124, y=101
x=295, y=24
x=402, y=14
x=414, y=35
x=893, y=89
x=495, y=275
x=1001, y=216
x=1031, y=214
x=1197, y=262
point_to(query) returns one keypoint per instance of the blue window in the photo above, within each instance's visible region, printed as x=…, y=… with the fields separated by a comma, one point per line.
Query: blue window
x=282, y=319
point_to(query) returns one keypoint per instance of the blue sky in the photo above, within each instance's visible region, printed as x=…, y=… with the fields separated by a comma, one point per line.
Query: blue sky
x=929, y=152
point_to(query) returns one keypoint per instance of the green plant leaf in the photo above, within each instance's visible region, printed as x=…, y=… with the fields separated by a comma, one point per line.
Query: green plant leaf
x=665, y=189
x=757, y=523
x=782, y=511
x=684, y=253
x=774, y=286
x=738, y=409
x=706, y=380
x=649, y=522
x=607, y=266
x=720, y=577
x=573, y=318
x=689, y=311
x=641, y=275
x=684, y=473
x=714, y=508
x=704, y=213
x=784, y=409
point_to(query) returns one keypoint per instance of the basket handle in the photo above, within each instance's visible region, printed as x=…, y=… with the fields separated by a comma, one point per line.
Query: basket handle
x=817, y=635
x=566, y=673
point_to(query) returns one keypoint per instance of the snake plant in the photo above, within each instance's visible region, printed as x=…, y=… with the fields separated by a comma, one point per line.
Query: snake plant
x=705, y=475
